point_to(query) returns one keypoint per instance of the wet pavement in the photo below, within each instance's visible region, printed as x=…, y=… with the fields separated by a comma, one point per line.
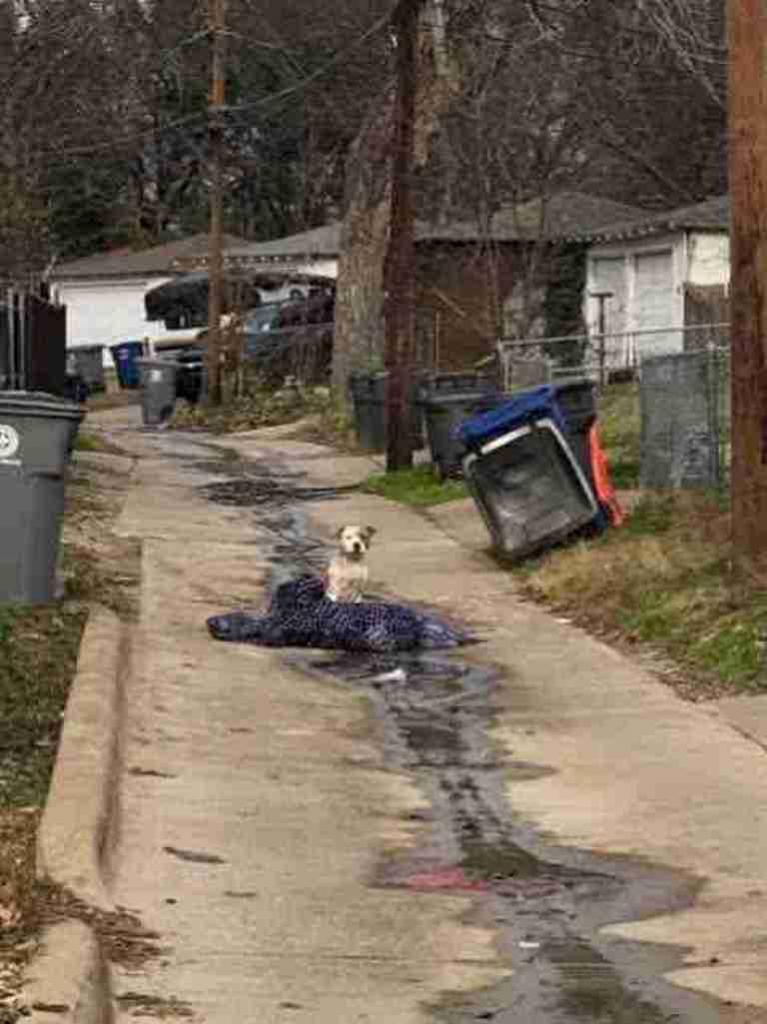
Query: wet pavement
x=547, y=905
x=433, y=718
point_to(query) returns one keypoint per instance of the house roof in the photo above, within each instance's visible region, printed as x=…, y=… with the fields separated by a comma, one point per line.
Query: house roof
x=157, y=261
x=711, y=215
x=324, y=241
x=562, y=216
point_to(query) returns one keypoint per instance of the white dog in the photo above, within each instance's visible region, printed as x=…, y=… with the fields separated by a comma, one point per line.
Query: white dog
x=348, y=571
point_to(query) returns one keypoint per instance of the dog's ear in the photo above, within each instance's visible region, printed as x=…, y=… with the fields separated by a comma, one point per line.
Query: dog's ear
x=338, y=532
x=369, y=532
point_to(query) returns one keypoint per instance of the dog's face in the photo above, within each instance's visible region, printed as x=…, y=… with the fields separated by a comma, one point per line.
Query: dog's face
x=354, y=541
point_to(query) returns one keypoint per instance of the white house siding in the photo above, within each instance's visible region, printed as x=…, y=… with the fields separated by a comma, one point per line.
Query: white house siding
x=111, y=310
x=708, y=258
x=107, y=312
x=610, y=273
x=654, y=303
x=646, y=278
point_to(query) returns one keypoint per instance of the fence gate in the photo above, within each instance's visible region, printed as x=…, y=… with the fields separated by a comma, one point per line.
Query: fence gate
x=32, y=343
x=685, y=420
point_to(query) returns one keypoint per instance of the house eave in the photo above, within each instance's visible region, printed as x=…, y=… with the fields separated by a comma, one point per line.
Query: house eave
x=86, y=278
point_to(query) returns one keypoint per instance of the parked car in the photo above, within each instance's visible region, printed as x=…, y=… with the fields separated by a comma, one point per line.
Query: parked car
x=263, y=318
x=296, y=341
x=278, y=339
x=191, y=361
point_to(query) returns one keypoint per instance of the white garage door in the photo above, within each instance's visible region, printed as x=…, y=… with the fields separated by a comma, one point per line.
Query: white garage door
x=609, y=275
x=654, y=303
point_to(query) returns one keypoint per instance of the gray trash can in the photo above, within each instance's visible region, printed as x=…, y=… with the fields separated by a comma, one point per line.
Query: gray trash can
x=158, y=390
x=36, y=435
x=88, y=361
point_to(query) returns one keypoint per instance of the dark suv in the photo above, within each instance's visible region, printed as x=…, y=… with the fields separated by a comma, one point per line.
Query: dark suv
x=277, y=339
x=307, y=324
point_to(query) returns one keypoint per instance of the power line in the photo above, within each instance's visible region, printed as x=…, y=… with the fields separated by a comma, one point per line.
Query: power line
x=261, y=104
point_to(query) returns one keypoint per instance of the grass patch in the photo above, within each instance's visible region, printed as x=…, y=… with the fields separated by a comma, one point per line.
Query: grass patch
x=262, y=408
x=666, y=580
x=418, y=486
x=103, y=400
x=38, y=655
x=619, y=432
x=39, y=647
x=89, y=442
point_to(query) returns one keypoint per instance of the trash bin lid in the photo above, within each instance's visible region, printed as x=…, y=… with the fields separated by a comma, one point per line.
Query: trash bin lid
x=39, y=403
x=127, y=346
x=156, y=363
x=439, y=398
x=520, y=409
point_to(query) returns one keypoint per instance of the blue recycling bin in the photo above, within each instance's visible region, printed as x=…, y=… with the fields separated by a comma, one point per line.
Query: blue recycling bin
x=525, y=475
x=125, y=356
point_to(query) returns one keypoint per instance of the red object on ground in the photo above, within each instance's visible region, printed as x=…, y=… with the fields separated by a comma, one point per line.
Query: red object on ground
x=445, y=878
x=600, y=470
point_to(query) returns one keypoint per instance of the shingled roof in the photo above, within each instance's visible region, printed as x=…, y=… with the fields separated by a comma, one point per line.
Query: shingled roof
x=155, y=262
x=711, y=215
x=561, y=216
x=324, y=241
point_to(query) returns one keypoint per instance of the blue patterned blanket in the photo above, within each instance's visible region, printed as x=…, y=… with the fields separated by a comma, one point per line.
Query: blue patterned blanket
x=300, y=615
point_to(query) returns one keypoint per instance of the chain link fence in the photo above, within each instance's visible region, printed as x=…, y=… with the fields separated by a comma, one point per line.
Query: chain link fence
x=681, y=379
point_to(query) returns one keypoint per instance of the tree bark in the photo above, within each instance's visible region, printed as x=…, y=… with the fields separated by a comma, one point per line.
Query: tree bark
x=359, y=328
x=748, y=293
x=399, y=265
x=358, y=338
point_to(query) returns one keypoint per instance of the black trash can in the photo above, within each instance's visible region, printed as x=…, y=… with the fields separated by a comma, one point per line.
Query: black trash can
x=37, y=432
x=158, y=390
x=368, y=392
x=125, y=356
x=87, y=361
x=189, y=375
x=447, y=400
x=577, y=400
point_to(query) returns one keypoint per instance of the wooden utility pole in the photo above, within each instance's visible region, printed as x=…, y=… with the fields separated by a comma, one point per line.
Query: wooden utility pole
x=747, y=30
x=217, y=27
x=399, y=266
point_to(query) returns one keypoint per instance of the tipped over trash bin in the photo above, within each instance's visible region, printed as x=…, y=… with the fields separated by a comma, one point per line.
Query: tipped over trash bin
x=37, y=431
x=526, y=480
x=158, y=390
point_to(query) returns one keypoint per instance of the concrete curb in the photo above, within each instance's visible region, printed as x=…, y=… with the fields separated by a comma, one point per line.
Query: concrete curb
x=76, y=835
x=69, y=981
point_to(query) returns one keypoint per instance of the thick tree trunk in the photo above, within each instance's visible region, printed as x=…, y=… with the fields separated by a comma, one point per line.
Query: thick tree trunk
x=748, y=292
x=359, y=328
x=358, y=339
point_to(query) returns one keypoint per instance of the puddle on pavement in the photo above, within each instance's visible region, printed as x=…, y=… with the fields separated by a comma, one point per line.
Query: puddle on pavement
x=277, y=493
x=546, y=904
